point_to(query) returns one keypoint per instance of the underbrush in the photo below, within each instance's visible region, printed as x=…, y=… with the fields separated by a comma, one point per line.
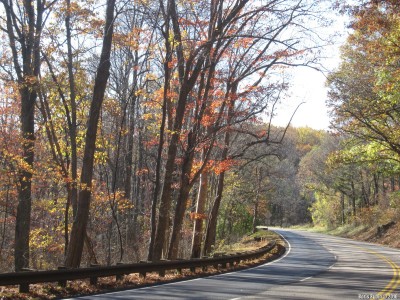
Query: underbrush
x=249, y=242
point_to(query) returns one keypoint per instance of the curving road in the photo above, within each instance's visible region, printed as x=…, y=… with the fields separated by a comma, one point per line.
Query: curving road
x=315, y=266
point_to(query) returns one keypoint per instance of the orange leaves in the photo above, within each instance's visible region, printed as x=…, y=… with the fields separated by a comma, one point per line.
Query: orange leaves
x=124, y=40
x=142, y=171
x=197, y=216
x=243, y=42
x=215, y=166
x=225, y=165
x=171, y=64
x=30, y=80
x=155, y=99
x=103, y=199
x=208, y=120
x=194, y=23
x=132, y=39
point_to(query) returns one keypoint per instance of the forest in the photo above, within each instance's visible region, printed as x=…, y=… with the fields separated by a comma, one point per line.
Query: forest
x=142, y=130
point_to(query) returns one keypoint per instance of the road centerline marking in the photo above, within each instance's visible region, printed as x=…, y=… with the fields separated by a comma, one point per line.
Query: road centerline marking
x=395, y=281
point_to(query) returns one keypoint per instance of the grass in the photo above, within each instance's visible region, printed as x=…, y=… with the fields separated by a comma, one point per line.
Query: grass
x=347, y=230
x=367, y=233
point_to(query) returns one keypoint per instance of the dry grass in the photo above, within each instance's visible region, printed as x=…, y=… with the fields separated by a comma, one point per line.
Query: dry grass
x=82, y=287
x=364, y=233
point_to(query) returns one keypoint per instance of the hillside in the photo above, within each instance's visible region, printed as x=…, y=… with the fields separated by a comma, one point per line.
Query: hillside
x=388, y=237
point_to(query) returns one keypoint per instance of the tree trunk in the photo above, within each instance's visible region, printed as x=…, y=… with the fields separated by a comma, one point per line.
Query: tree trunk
x=129, y=152
x=73, y=124
x=166, y=196
x=157, y=184
x=211, y=231
x=353, y=198
x=74, y=253
x=199, y=221
x=27, y=33
x=23, y=217
x=392, y=184
x=342, y=208
x=182, y=199
x=256, y=200
x=188, y=72
x=376, y=189
x=255, y=214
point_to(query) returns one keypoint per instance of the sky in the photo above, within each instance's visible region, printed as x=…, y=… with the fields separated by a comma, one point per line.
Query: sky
x=308, y=86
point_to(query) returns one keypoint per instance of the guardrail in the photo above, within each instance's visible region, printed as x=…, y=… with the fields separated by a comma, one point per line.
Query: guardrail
x=62, y=275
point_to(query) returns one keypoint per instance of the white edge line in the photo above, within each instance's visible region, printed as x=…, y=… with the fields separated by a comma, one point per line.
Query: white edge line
x=304, y=279
x=269, y=263
x=336, y=259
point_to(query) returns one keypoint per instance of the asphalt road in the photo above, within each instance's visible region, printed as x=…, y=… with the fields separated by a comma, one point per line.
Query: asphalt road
x=315, y=266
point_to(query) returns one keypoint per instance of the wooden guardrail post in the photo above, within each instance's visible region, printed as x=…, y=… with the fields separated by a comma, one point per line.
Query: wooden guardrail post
x=62, y=283
x=223, y=264
x=24, y=287
x=143, y=274
x=161, y=273
x=217, y=254
x=193, y=269
x=204, y=268
x=237, y=259
x=232, y=260
x=94, y=279
x=119, y=277
x=179, y=270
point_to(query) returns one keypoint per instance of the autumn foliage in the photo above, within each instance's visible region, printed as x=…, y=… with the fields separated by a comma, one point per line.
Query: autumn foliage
x=133, y=165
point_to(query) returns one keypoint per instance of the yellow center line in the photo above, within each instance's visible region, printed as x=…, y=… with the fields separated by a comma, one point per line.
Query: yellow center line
x=395, y=282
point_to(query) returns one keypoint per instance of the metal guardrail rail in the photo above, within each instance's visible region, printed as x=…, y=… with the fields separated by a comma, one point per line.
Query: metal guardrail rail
x=23, y=279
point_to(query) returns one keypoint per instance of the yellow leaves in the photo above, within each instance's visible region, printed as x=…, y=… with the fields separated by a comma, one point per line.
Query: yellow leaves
x=100, y=156
x=140, y=92
x=39, y=238
x=102, y=200
x=151, y=76
x=124, y=205
x=171, y=37
x=112, y=107
x=147, y=116
x=84, y=186
x=16, y=164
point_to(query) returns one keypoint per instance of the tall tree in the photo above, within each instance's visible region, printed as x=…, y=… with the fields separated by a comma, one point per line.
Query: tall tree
x=78, y=231
x=189, y=70
x=364, y=90
x=24, y=23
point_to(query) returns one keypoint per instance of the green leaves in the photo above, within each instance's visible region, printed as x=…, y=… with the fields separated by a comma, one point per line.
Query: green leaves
x=364, y=92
